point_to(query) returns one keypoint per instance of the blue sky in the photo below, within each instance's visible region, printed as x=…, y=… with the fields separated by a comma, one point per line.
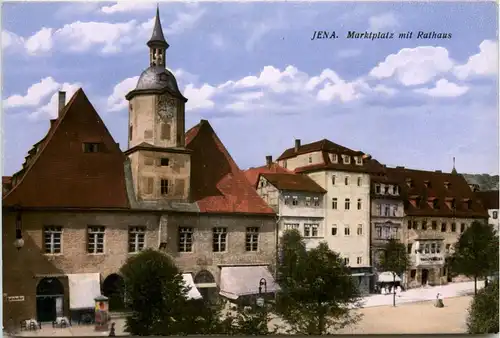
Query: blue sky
x=252, y=70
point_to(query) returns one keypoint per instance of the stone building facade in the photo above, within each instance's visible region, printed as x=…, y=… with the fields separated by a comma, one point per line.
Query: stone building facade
x=80, y=206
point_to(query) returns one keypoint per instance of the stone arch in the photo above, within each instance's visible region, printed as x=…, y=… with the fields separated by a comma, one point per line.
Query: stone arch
x=49, y=299
x=204, y=276
x=113, y=288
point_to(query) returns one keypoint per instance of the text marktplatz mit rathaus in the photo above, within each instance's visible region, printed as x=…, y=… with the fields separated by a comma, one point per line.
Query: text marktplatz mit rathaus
x=404, y=35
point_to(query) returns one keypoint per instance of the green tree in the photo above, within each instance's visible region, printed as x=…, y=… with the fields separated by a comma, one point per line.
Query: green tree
x=395, y=259
x=483, y=312
x=476, y=252
x=155, y=294
x=317, y=290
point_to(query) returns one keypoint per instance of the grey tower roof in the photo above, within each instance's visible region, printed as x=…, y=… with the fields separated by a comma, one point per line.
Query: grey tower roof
x=157, y=38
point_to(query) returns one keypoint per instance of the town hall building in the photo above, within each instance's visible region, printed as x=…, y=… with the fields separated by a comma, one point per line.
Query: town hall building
x=79, y=206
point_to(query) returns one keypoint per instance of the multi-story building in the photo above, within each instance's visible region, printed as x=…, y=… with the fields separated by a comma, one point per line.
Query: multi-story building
x=489, y=199
x=79, y=207
x=345, y=175
x=297, y=200
x=387, y=212
x=438, y=208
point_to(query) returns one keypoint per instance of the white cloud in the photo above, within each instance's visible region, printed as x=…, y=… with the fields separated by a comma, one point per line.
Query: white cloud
x=117, y=101
x=483, y=63
x=50, y=109
x=444, y=88
x=199, y=98
x=414, y=66
x=39, y=42
x=109, y=37
x=34, y=95
x=128, y=6
x=382, y=22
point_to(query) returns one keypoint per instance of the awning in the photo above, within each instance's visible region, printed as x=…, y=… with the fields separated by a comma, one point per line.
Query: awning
x=193, y=291
x=236, y=281
x=387, y=277
x=83, y=288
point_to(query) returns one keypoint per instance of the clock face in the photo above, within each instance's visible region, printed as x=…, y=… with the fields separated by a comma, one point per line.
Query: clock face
x=167, y=107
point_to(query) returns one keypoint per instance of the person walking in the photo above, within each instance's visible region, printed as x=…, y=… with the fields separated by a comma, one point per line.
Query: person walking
x=112, y=330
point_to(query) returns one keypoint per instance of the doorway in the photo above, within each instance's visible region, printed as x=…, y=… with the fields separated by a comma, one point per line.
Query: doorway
x=49, y=299
x=425, y=276
x=205, y=282
x=112, y=287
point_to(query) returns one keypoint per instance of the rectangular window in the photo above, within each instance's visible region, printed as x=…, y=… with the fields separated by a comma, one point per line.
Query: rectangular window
x=447, y=250
x=164, y=187
x=394, y=190
x=415, y=225
x=386, y=190
x=413, y=274
x=379, y=232
x=286, y=199
x=333, y=179
x=409, y=224
x=185, y=239
x=408, y=248
x=347, y=231
x=136, y=238
x=164, y=162
x=495, y=214
x=453, y=227
x=316, y=201
x=219, y=239
x=359, y=260
x=347, y=159
x=359, y=181
x=91, y=147
x=434, y=225
x=314, y=230
x=291, y=226
x=443, y=227
x=433, y=247
x=130, y=129
x=360, y=229
x=462, y=227
x=52, y=239
x=359, y=160
x=307, y=230
x=424, y=225
x=347, y=204
x=295, y=200
x=311, y=230
x=394, y=210
x=333, y=158
x=334, y=230
x=346, y=261
x=310, y=159
x=377, y=188
x=334, y=203
x=95, y=239
x=426, y=248
x=359, y=203
x=346, y=180
x=387, y=210
x=308, y=201
x=252, y=239
x=438, y=248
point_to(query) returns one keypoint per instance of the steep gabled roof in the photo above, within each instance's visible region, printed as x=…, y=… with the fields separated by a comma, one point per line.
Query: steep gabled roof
x=217, y=184
x=489, y=198
x=439, y=186
x=252, y=174
x=60, y=175
x=293, y=182
x=322, y=145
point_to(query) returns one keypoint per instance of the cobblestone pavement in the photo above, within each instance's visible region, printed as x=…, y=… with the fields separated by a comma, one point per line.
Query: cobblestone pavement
x=414, y=313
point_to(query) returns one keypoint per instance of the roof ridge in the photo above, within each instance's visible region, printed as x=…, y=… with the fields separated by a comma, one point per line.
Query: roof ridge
x=48, y=138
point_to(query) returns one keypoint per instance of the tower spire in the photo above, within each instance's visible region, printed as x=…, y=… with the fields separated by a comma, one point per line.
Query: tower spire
x=157, y=43
x=454, y=171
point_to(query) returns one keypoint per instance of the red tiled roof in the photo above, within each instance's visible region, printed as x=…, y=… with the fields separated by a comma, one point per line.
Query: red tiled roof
x=59, y=174
x=252, y=174
x=322, y=145
x=489, y=198
x=293, y=182
x=458, y=189
x=217, y=184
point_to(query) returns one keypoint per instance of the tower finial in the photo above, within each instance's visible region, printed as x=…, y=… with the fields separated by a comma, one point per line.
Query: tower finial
x=157, y=38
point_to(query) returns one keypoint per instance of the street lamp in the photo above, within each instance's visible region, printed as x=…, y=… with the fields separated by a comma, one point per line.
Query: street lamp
x=260, y=299
x=19, y=241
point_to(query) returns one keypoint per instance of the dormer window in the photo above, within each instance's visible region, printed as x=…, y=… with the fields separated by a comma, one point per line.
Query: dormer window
x=286, y=198
x=359, y=160
x=395, y=190
x=435, y=203
x=427, y=183
x=310, y=159
x=91, y=147
x=377, y=188
x=409, y=182
x=347, y=159
x=308, y=201
x=447, y=185
x=334, y=158
x=295, y=200
x=386, y=189
x=450, y=202
x=467, y=203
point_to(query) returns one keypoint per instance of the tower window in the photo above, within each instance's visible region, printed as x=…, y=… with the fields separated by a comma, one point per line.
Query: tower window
x=164, y=162
x=164, y=187
x=91, y=147
x=130, y=130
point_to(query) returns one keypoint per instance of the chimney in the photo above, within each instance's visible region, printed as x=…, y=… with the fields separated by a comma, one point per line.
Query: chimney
x=297, y=145
x=269, y=160
x=62, y=102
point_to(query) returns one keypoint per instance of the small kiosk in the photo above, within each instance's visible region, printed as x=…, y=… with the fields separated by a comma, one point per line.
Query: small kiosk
x=101, y=313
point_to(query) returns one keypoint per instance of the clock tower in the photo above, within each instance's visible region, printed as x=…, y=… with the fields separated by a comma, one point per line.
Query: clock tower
x=156, y=135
